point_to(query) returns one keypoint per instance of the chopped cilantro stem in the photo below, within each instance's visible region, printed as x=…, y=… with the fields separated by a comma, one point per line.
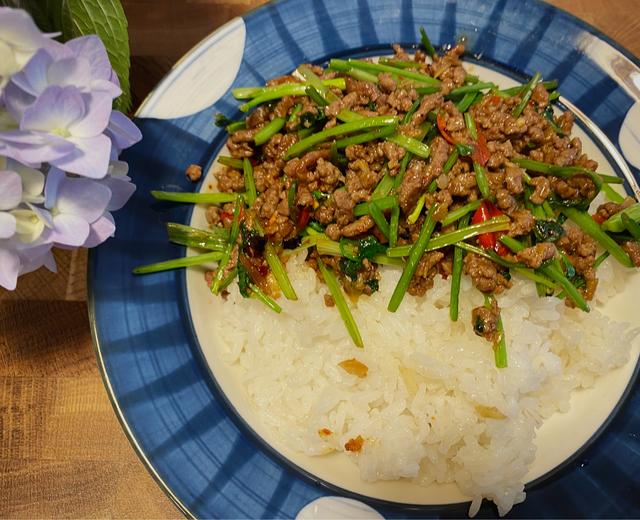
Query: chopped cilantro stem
x=412, y=145
x=384, y=203
x=631, y=226
x=500, y=346
x=525, y=94
x=457, y=214
x=379, y=218
x=383, y=188
x=593, y=229
x=451, y=160
x=426, y=43
x=269, y=130
x=235, y=126
x=215, y=239
x=610, y=193
x=417, y=250
x=549, y=85
x=471, y=125
x=400, y=64
x=315, y=81
x=233, y=236
x=376, y=68
x=482, y=181
x=468, y=99
x=236, y=164
x=394, y=224
x=264, y=298
x=345, y=128
x=176, y=263
x=279, y=271
x=287, y=89
x=413, y=217
x=453, y=237
x=615, y=224
x=456, y=274
x=341, y=303
x=195, y=198
x=473, y=88
x=378, y=133
x=249, y=182
x=564, y=172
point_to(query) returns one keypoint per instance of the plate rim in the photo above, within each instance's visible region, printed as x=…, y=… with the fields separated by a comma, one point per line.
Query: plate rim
x=91, y=301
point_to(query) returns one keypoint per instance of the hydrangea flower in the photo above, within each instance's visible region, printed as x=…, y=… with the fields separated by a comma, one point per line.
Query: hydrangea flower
x=60, y=177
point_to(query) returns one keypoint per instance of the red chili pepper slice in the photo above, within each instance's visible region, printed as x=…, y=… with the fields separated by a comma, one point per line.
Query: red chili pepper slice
x=494, y=100
x=598, y=218
x=442, y=126
x=304, y=215
x=481, y=153
x=486, y=211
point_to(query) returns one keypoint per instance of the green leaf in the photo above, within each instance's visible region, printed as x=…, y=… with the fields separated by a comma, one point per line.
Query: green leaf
x=105, y=18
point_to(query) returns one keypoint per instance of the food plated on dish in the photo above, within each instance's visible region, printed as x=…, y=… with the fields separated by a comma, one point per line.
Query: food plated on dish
x=347, y=187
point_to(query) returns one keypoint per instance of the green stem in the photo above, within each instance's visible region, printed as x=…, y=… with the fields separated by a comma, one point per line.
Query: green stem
x=265, y=298
x=236, y=164
x=417, y=250
x=288, y=89
x=195, y=198
x=471, y=125
x=413, y=217
x=179, y=262
x=426, y=43
x=268, y=131
x=188, y=236
x=412, y=145
x=615, y=224
x=468, y=99
x=500, y=346
x=526, y=94
x=383, y=188
x=473, y=88
x=451, y=160
x=341, y=303
x=611, y=194
x=249, y=182
x=456, y=275
x=457, y=214
x=482, y=181
x=315, y=81
x=564, y=172
x=379, y=218
x=346, y=128
x=453, y=237
x=233, y=237
x=394, y=224
x=379, y=133
x=384, y=203
x=337, y=64
x=279, y=272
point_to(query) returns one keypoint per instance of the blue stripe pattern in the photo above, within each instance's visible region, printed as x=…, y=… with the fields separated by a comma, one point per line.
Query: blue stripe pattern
x=201, y=450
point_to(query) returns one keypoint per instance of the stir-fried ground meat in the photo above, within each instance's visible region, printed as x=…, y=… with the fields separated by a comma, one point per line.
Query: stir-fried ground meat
x=485, y=274
x=536, y=255
x=375, y=189
x=485, y=321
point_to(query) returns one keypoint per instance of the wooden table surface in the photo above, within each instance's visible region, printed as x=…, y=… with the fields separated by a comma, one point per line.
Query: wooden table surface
x=62, y=451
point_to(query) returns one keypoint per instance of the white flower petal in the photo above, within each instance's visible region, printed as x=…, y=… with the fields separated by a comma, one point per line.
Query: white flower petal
x=10, y=189
x=9, y=268
x=69, y=230
x=7, y=225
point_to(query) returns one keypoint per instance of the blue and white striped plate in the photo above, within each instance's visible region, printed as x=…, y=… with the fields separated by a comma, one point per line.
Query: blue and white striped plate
x=200, y=452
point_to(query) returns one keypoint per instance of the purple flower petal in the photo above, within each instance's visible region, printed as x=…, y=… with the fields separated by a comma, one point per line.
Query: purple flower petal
x=56, y=109
x=7, y=225
x=34, y=257
x=33, y=148
x=96, y=118
x=33, y=77
x=69, y=230
x=10, y=189
x=101, y=229
x=122, y=131
x=9, y=268
x=92, y=48
x=73, y=71
x=89, y=159
x=51, y=188
x=83, y=198
x=121, y=190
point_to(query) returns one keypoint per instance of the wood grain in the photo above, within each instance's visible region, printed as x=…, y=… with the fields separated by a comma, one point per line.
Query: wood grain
x=62, y=451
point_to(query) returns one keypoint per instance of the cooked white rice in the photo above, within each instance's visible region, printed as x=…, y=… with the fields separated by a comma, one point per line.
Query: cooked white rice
x=420, y=407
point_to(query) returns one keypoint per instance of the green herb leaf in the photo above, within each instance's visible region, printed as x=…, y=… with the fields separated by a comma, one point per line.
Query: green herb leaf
x=105, y=18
